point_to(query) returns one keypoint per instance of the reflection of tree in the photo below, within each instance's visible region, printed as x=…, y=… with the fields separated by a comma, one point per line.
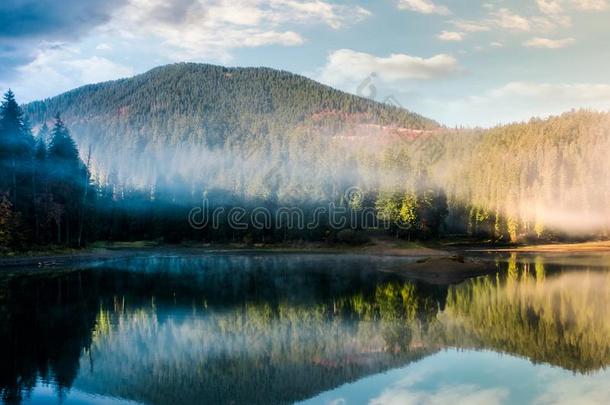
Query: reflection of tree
x=290, y=335
x=563, y=320
x=45, y=323
x=253, y=352
x=160, y=331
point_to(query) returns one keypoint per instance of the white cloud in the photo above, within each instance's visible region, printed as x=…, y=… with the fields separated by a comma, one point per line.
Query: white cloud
x=451, y=36
x=335, y=16
x=95, y=69
x=551, y=23
x=519, y=101
x=576, y=389
x=550, y=6
x=553, y=15
x=212, y=28
x=452, y=394
x=589, y=94
x=103, y=47
x=423, y=6
x=58, y=68
x=471, y=26
x=549, y=43
x=348, y=66
x=505, y=18
x=590, y=5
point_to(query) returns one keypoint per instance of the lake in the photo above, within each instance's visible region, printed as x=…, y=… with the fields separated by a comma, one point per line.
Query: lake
x=305, y=328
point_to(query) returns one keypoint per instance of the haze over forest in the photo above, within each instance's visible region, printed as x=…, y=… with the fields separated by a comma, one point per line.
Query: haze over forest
x=304, y=201
x=153, y=146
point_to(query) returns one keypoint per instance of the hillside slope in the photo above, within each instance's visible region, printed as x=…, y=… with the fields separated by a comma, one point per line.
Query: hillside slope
x=208, y=105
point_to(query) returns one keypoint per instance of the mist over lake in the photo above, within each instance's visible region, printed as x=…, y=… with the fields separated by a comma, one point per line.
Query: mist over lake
x=302, y=327
x=328, y=202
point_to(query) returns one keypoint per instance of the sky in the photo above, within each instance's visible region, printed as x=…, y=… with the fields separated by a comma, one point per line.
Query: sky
x=461, y=62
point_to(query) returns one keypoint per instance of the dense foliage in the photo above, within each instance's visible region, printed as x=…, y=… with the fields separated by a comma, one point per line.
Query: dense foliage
x=198, y=104
x=43, y=188
x=145, y=328
x=544, y=179
x=191, y=135
x=157, y=144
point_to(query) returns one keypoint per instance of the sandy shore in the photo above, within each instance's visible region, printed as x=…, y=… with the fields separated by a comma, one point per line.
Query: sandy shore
x=61, y=259
x=380, y=247
x=434, y=265
x=446, y=270
x=601, y=246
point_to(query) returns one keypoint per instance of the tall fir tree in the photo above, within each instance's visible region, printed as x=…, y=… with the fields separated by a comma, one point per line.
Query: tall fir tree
x=16, y=146
x=39, y=184
x=63, y=153
x=65, y=171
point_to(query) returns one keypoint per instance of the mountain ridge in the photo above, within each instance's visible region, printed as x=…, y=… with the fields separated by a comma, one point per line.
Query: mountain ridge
x=212, y=103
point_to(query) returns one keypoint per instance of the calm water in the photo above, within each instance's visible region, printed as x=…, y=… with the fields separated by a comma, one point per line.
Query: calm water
x=316, y=329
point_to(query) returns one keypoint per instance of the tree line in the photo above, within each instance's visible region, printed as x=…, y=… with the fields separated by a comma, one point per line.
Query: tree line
x=44, y=184
x=545, y=179
x=49, y=196
x=540, y=180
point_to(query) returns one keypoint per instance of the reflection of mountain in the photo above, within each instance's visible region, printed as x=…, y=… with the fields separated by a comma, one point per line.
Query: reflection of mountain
x=275, y=329
x=163, y=330
x=253, y=354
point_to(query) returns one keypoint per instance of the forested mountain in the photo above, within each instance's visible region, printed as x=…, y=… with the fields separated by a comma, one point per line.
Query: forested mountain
x=540, y=179
x=208, y=105
x=146, y=150
x=212, y=125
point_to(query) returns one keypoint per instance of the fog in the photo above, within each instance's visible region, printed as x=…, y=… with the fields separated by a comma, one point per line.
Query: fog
x=550, y=182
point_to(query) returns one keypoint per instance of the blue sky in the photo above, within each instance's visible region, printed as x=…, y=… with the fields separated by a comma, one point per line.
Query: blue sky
x=460, y=62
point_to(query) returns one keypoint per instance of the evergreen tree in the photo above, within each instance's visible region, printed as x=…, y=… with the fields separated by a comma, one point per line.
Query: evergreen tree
x=63, y=153
x=41, y=143
x=40, y=186
x=16, y=147
x=65, y=171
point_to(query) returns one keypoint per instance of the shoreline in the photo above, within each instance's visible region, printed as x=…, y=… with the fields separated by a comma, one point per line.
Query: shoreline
x=60, y=257
x=580, y=247
x=433, y=266
x=377, y=247
x=435, y=263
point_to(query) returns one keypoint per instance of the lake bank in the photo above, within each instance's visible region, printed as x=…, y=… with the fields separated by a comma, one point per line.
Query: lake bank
x=103, y=251
x=431, y=254
x=584, y=247
x=430, y=264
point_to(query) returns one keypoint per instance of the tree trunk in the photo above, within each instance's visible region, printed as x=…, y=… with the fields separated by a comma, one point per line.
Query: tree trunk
x=35, y=204
x=84, y=202
x=13, y=164
x=58, y=222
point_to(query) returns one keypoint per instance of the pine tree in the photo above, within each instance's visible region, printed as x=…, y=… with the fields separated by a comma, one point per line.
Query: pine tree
x=41, y=143
x=63, y=153
x=39, y=182
x=16, y=145
x=65, y=171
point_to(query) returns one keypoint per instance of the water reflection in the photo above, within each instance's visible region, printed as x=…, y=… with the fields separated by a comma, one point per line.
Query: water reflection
x=281, y=328
x=562, y=320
